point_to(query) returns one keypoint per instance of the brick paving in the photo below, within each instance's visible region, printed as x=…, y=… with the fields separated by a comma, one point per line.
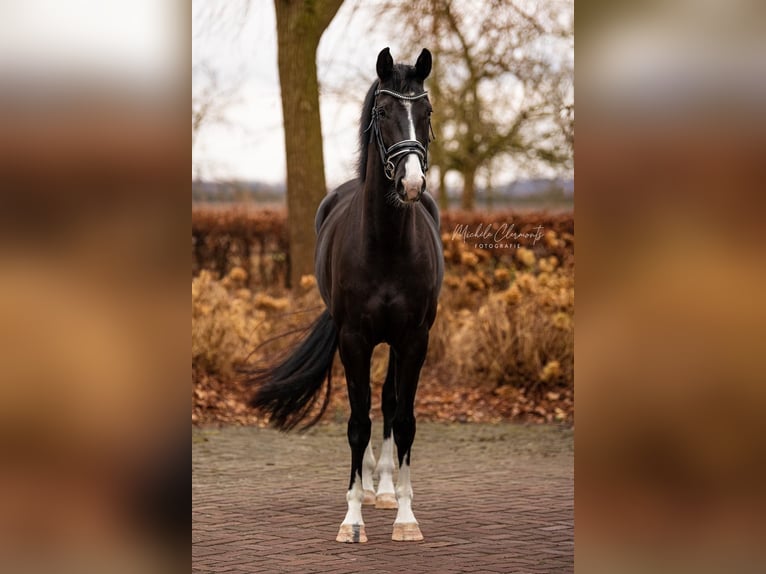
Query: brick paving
x=489, y=498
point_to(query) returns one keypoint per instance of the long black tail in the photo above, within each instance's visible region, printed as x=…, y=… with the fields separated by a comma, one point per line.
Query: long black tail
x=288, y=391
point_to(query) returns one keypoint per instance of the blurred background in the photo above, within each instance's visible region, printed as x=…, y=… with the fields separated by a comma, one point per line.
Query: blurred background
x=277, y=97
x=94, y=163
x=501, y=86
x=277, y=92
x=670, y=446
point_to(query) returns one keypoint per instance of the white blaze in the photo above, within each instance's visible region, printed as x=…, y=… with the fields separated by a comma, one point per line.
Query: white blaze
x=413, y=174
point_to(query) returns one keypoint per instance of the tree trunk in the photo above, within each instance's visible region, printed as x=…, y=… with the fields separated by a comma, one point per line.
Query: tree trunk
x=468, y=200
x=300, y=25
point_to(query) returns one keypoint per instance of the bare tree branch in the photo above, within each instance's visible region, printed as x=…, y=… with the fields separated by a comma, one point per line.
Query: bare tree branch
x=502, y=87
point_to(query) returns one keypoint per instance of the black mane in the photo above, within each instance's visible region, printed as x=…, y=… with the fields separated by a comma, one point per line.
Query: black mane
x=402, y=80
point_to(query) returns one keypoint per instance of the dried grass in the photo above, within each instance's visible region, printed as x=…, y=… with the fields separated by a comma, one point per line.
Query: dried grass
x=229, y=321
x=505, y=323
x=521, y=335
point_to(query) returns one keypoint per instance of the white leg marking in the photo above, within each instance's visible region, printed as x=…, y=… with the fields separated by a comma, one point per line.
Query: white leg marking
x=368, y=466
x=352, y=527
x=354, y=498
x=385, y=468
x=404, y=496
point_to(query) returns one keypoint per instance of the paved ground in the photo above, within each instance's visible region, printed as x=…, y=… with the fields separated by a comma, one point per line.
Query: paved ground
x=489, y=498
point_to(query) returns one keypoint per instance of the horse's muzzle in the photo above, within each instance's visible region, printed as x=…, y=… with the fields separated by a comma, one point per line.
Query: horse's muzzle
x=411, y=190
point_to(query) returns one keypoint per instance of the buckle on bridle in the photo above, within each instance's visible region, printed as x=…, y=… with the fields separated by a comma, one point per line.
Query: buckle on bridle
x=390, y=169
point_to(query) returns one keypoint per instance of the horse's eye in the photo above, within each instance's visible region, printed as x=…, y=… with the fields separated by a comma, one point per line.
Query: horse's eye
x=381, y=113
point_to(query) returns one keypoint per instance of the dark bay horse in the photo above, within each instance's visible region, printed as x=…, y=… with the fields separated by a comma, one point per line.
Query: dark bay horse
x=379, y=267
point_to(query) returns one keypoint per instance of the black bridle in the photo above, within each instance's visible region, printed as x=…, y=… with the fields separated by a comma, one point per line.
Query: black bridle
x=392, y=156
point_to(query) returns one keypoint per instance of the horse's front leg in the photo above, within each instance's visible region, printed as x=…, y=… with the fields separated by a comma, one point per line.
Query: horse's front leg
x=410, y=359
x=356, y=355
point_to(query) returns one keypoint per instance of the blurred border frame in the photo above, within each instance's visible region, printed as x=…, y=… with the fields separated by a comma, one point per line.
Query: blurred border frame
x=670, y=443
x=94, y=218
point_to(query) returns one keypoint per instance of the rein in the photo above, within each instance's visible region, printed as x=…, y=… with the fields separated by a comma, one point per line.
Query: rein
x=392, y=156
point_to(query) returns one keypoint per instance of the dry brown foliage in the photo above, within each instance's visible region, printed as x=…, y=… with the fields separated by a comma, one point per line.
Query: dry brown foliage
x=501, y=347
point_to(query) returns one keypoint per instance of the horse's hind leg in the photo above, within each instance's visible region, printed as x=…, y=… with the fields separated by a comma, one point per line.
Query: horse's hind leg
x=356, y=361
x=368, y=468
x=386, y=496
x=410, y=360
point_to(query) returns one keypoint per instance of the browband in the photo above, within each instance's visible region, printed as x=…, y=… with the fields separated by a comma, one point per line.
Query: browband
x=401, y=96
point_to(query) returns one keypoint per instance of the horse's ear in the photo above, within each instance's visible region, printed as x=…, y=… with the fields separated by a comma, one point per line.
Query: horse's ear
x=423, y=65
x=385, y=65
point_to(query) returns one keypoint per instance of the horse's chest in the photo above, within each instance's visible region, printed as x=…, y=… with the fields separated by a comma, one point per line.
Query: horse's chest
x=383, y=302
x=386, y=311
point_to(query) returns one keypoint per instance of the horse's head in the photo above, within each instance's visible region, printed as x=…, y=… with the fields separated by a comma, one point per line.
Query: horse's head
x=402, y=122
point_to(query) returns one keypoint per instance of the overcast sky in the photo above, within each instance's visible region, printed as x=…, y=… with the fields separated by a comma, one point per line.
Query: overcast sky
x=250, y=144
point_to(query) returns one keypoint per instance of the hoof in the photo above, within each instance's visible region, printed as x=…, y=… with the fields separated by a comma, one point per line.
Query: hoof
x=351, y=533
x=405, y=532
x=369, y=498
x=386, y=500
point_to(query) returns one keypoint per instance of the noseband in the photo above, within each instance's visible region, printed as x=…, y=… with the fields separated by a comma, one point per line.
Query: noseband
x=392, y=156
